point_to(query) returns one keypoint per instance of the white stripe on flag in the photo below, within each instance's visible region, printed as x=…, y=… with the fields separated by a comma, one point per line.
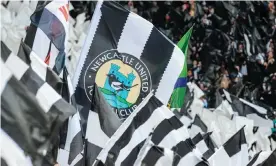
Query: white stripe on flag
x=190, y=159
x=41, y=44
x=220, y=157
x=142, y=132
x=202, y=147
x=241, y=158
x=92, y=30
x=70, y=86
x=133, y=42
x=170, y=75
x=167, y=159
x=47, y=96
x=174, y=137
x=5, y=76
x=16, y=66
x=104, y=153
x=12, y=153
x=73, y=130
x=38, y=66
x=53, y=55
x=94, y=134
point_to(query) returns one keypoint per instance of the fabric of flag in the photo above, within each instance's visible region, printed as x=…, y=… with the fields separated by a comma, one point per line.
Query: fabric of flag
x=11, y=153
x=198, y=126
x=23, y=120
x=271, y=160
x=45, y=72
x=261, y=157
x=177, y=97
x=57, y=109
x=210, y=144
x=244, y=108
x=71, y=148
x=47, y=35
x=151, y=115
x=101, y=125
x=232, y=152
x=151, y=154
x=201, y=145
x=127, y=57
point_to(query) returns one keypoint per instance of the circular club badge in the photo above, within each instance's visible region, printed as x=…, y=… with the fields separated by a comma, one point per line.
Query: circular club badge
x=123, y=79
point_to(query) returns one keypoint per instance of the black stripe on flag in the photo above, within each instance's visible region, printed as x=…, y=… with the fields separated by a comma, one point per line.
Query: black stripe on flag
x=130, y=159
x=153, y=155
x=165, y=127
x=233, y=145
x=157, y=44
x=141, y=117
x=5, y=51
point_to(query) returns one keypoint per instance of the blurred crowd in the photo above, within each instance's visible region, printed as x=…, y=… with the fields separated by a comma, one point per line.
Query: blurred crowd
x=232, y=45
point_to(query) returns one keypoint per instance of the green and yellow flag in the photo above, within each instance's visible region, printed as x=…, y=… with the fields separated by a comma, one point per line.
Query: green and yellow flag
x=177, y=98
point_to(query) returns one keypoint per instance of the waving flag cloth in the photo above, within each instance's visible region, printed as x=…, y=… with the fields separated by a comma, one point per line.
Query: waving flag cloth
x=151, y=154
x=124, y=146
x=101, y=125
x=127, y=57
x=177, y=98
x=32, y=74
x=232, y=152
x=71, y=148
x=263, y=157
x=47, y=35
x=244, y=108
x=24, y=125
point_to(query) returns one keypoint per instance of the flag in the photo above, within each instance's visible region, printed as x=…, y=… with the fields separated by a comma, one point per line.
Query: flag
x=45, y=72
x=23, y=120
x=198, y=126
x=101, y=125
x=127, y=57
x=48, y=33
x=151, y=154
x=262, y=157
x=205, y=144
x=244, y=108
x=232, y=152
x=71, y=149
x=57, y=109
x=270, y=160
x=210, y=144
x=151, y=115
x=177, y=97
x=11, y=153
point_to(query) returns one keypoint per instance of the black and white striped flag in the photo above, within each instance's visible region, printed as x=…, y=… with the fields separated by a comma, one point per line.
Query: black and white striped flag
x=101, y=125
x=263, y=157
x=48, y=33
x=71, y=148
x=127, y=57
x=151, y=155
x=124, y=146
x=23, y=120
x=232, y=152
x=11, y=152
x=244, y=108
x=198, y=126
x=212, y=147
x=34, y=77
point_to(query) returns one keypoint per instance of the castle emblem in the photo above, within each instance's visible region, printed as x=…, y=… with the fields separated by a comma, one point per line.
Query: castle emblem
x=123, y=80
